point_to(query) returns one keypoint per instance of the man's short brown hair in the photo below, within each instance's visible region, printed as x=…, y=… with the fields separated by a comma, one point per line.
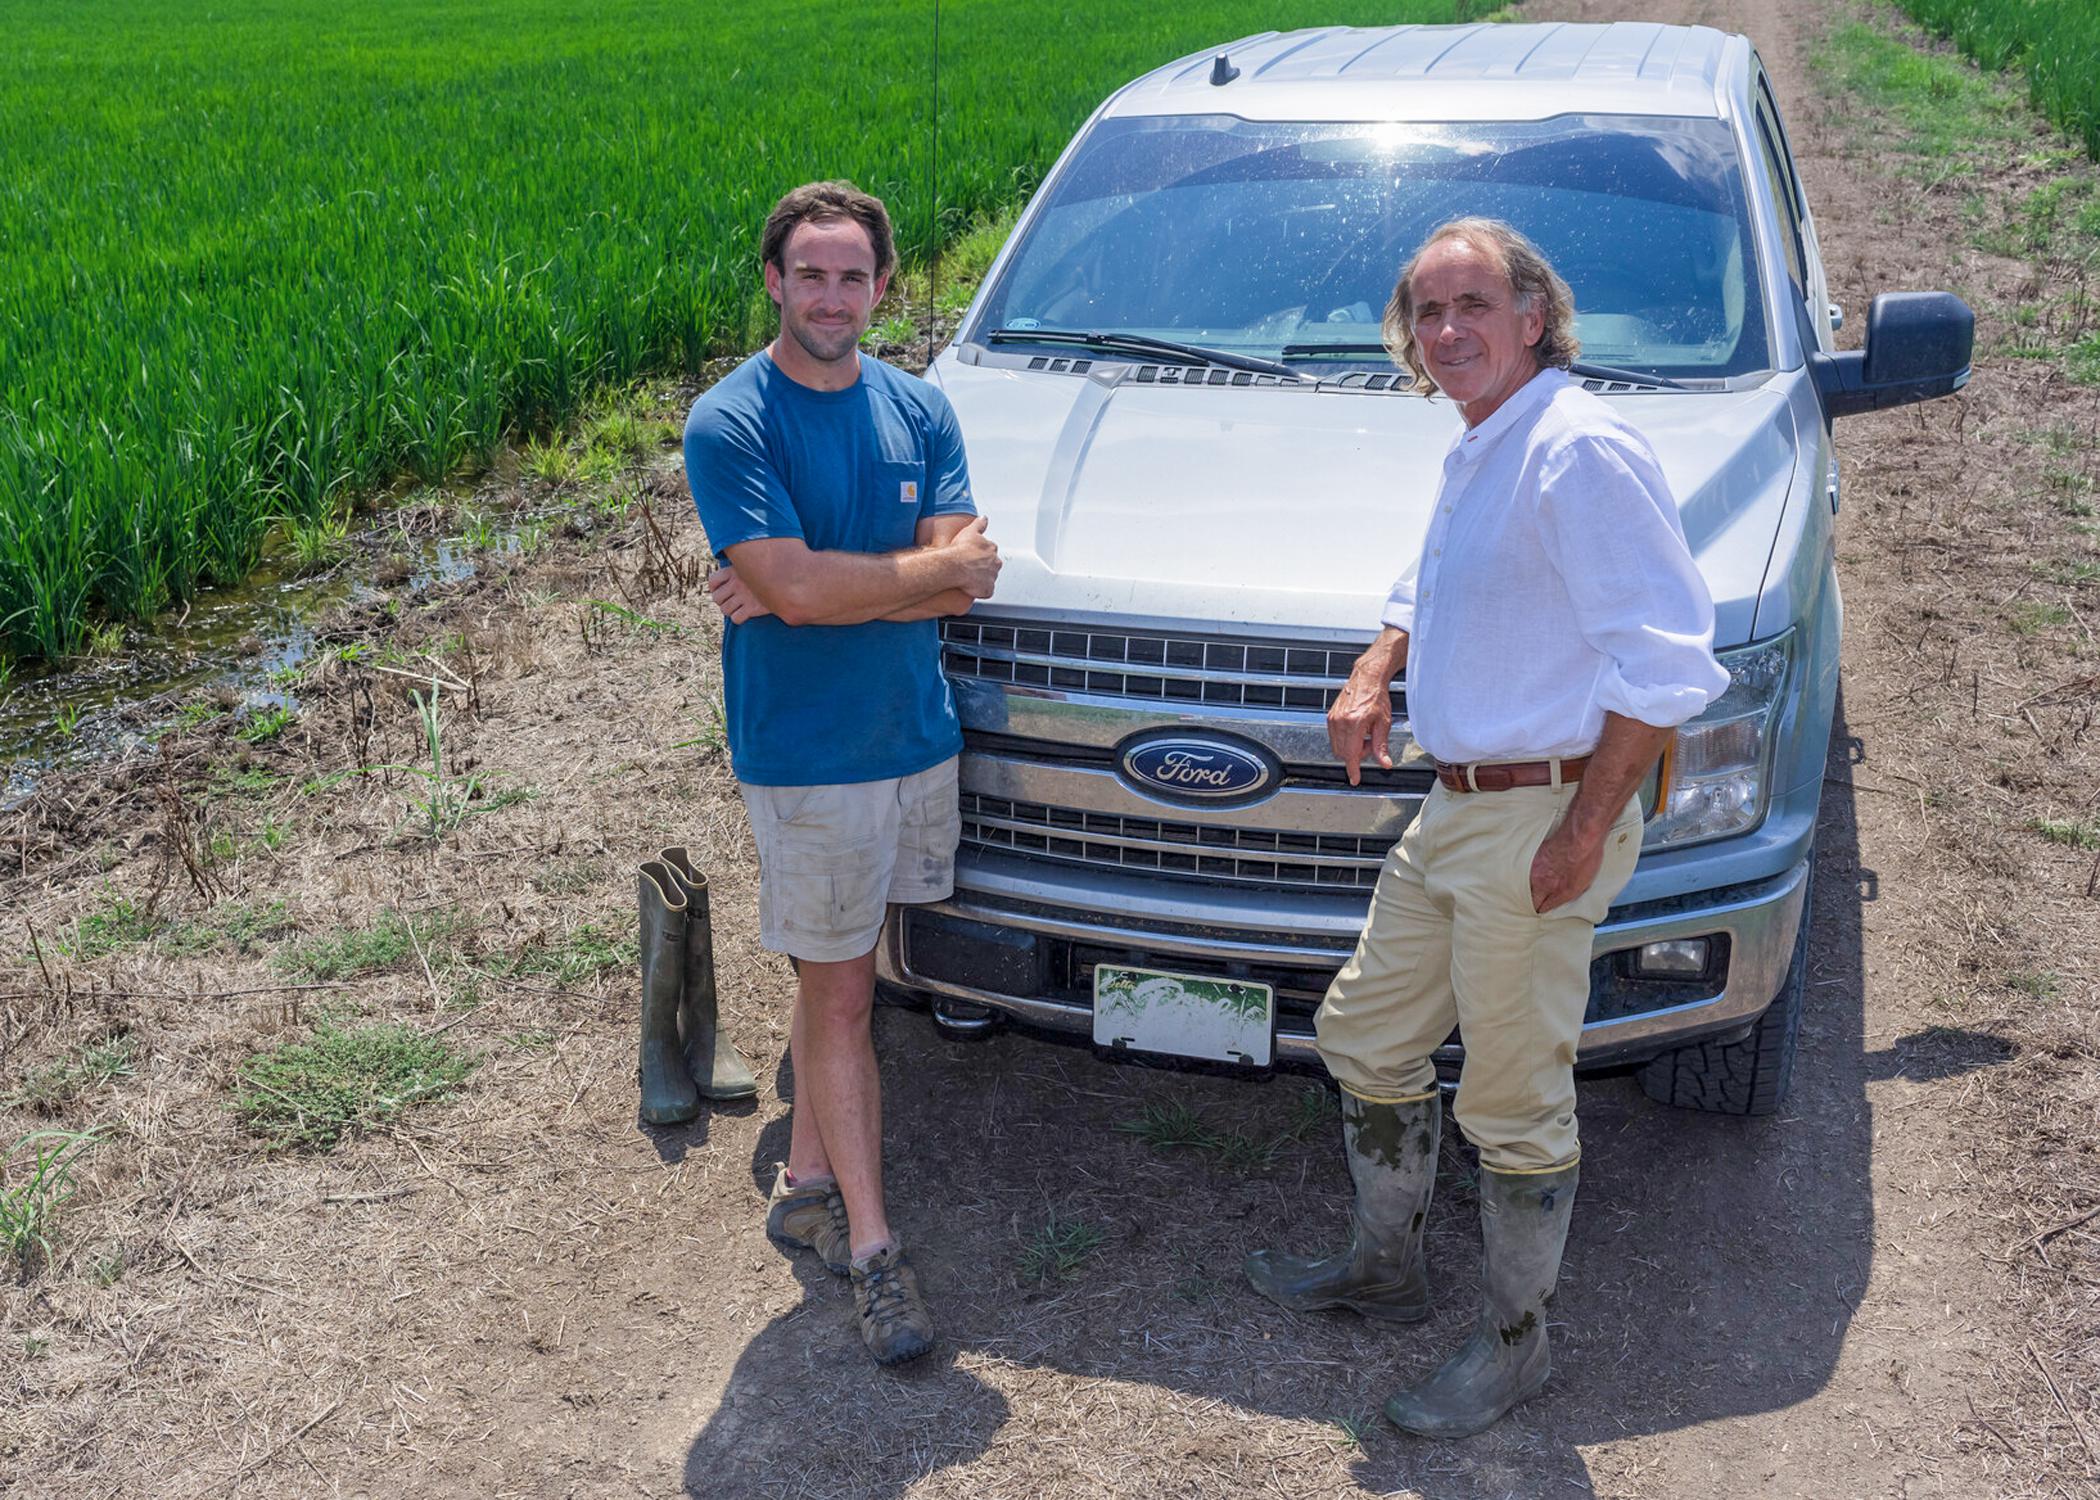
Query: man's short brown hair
x=821, y=202
x=1536, y=285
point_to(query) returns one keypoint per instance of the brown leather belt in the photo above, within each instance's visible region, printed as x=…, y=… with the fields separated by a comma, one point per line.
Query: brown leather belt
x=1501, y=775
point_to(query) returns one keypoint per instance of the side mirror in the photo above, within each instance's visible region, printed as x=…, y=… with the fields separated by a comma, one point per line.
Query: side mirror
x=1918, y=347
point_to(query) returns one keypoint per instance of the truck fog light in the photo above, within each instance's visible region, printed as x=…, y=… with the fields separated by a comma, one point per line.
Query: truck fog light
x=1678, y=958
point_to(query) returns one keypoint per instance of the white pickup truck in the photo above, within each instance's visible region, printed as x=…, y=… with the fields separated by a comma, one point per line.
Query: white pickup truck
x=1204, y=474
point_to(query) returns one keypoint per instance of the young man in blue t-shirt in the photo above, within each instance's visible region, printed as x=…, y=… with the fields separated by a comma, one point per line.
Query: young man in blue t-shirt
x=836, y=488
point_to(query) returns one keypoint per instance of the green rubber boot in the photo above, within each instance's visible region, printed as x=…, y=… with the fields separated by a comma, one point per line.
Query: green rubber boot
x=1523, y=1224
x=718, y=1070
x=668, y=1096
x=1392, y=1160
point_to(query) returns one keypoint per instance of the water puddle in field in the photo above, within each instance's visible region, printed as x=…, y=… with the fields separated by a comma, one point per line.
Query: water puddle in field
x=235, y=650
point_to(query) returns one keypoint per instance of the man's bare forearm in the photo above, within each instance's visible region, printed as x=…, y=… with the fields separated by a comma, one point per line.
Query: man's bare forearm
x=1385, y=656
x=940, y=606
x=806, y=587
x=852, y=588
x=1625, y=753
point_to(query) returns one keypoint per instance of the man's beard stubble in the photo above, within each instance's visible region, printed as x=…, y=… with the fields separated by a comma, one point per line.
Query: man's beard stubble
x=818, y=347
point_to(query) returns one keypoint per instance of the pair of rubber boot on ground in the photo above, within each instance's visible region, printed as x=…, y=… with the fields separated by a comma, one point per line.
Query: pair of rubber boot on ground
x=1392, y=1151
x=686, y=1055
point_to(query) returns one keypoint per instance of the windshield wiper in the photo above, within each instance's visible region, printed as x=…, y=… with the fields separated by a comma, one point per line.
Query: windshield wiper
x=1290, y=349
x=1588, y=371
x=1582, y=368
x=1138, y=343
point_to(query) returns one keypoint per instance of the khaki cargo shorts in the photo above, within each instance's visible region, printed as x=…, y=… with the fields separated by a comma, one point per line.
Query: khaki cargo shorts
x=832, y=858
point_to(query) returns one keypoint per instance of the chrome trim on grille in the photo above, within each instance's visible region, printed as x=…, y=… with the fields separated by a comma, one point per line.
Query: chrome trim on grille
x=1150, y=666
x=1206, y=851
x=1321, y=811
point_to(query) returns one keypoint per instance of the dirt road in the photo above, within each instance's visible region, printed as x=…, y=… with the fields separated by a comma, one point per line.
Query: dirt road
x=521, y=1292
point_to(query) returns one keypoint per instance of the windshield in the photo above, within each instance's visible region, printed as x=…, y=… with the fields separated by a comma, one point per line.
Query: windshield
x=1253, y=236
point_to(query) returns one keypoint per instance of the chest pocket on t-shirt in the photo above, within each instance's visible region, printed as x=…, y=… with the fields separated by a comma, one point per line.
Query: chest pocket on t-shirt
x=893, y=512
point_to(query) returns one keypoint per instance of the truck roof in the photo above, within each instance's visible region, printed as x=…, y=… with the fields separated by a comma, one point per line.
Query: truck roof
x=1480, y=72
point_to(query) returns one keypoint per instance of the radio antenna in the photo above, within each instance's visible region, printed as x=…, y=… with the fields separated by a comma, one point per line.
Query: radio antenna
x=933, y=193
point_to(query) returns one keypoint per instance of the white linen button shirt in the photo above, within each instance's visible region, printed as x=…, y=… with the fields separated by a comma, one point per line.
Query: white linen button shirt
x=1554, y=586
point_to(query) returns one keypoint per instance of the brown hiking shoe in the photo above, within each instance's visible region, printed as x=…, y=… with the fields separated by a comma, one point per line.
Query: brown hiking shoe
x=894, y=1322
x=810, y=1217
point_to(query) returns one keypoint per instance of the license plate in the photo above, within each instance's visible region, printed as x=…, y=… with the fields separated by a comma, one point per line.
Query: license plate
x=1184, y=1015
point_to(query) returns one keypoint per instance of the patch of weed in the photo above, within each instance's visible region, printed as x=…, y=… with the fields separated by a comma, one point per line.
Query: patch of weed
x=317, y=545
x=1313, y=1112
x=578, y=956
x=549, y=460
x=116, y=924
x=37, y=1185
x=899, y=328
x=2035, y=986
x=49, y=1089
x=353, y=951
x=1055, y=1251
x=2076, y=833
x=266, y=723
x=235, y=781
x=1166, y=1124
x=107, y=1269
x=309, y=1095
x=240, y=925
x=2030, y=617
x=193, y=715
x=1350, y=1429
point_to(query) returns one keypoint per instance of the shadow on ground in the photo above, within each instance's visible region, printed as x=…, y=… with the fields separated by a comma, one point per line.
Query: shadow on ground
x=1713, y=1270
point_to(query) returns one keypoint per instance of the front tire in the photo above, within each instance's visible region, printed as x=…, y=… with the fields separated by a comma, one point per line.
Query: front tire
x=1748, y=1076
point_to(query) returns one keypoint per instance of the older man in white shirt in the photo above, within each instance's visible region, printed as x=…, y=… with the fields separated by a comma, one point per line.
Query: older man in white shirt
x=1554, y=631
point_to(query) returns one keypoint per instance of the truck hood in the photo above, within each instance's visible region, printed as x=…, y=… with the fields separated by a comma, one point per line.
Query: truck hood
x=1296, y=508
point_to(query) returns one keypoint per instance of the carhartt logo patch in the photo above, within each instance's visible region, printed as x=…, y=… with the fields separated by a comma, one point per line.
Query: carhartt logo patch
x=908, y=492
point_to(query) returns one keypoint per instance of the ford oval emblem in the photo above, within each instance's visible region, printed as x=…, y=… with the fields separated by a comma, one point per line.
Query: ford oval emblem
x=1193, y=768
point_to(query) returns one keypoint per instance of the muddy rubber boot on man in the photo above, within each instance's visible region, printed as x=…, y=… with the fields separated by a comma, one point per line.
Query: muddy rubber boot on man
x=1392, y=1153
x=1523, y=1226
x=668, y=1095
x=717, y=1069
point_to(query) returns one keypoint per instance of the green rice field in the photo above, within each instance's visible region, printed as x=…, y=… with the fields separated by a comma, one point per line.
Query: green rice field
x=2055, y=42
x=260, y=257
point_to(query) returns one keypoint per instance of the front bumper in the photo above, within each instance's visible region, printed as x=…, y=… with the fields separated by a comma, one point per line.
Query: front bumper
x=999, y=946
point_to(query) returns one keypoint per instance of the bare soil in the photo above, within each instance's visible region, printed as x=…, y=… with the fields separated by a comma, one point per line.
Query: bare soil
x=1888, y=1289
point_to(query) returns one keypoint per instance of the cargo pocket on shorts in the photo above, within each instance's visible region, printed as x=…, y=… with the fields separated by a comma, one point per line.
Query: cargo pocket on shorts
x=929, y=828
x=830, y=897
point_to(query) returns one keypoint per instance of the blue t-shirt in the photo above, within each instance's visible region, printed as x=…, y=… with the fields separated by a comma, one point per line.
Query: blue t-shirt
x=846, y=471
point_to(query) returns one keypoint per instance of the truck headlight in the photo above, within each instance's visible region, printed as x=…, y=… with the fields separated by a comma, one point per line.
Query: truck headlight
x=1722, y=767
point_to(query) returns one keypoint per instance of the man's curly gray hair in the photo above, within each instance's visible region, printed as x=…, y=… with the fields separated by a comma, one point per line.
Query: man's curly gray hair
x=1531, y=276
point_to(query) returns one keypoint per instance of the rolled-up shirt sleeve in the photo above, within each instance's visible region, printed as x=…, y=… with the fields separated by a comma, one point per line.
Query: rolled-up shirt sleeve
x=1610, y=527
x=1399, y=609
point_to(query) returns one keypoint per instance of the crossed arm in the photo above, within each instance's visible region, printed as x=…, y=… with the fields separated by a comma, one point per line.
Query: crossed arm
x=950, y=566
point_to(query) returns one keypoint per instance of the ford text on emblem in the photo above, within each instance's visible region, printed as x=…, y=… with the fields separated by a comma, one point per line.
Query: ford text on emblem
x=1187, y=768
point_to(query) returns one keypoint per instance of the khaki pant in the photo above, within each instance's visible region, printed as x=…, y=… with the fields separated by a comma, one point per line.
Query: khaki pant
x=1452, y=939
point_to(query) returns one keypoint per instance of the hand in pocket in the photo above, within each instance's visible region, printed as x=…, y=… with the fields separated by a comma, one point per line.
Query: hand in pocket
x=1563, y=868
